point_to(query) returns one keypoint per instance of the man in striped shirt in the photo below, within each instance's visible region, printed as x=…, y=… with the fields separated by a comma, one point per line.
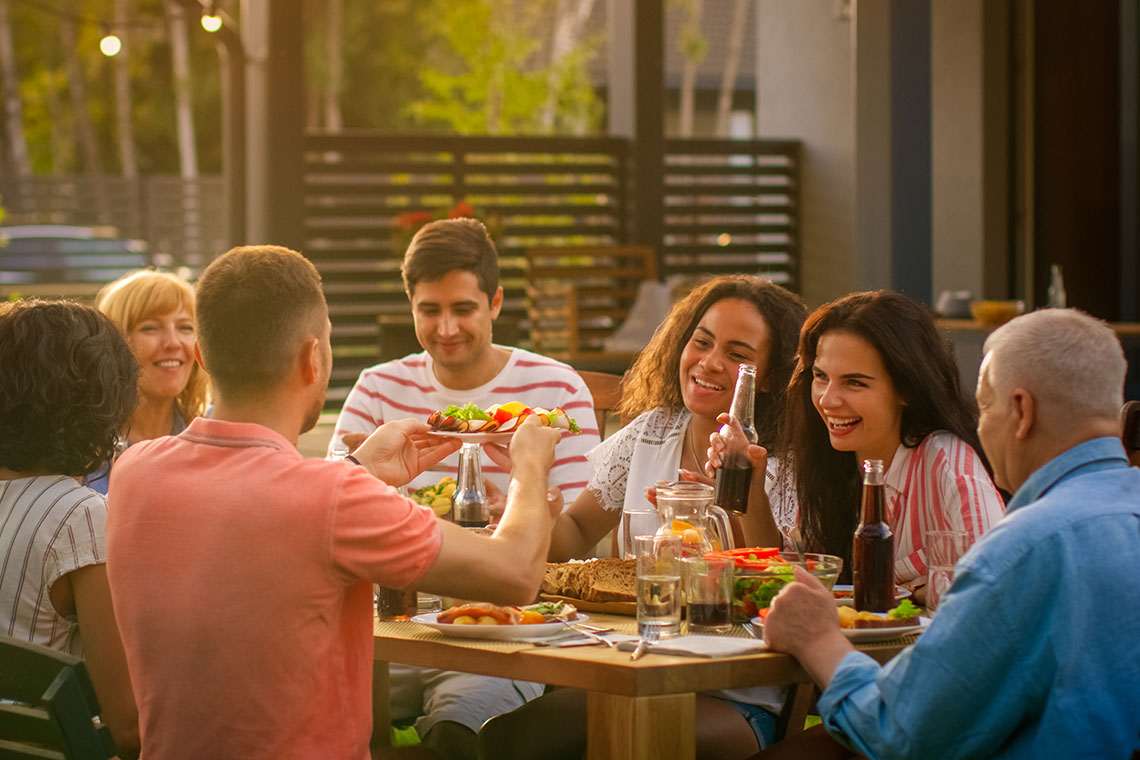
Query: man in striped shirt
x=451, y=275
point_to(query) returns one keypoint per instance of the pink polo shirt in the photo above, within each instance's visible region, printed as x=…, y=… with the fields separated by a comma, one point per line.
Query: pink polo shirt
x=241, y=578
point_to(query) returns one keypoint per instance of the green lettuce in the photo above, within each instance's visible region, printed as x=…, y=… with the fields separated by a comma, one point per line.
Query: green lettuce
x=904, y=610
x=466, y=412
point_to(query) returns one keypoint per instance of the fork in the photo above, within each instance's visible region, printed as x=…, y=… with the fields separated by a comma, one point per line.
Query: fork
x=590, y=631
x=650, y=635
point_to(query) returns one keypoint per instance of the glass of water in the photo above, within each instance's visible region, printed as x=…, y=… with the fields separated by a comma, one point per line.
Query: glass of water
x=634, y=523
x=658, y=586
x=943, y=550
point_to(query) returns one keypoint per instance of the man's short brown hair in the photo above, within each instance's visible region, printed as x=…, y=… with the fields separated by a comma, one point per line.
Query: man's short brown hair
x=256, y=305
x=448, y=245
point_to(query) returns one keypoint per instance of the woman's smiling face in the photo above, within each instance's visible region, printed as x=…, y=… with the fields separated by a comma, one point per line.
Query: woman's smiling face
x=731, y=332
x=164, y=347
x=855, y=397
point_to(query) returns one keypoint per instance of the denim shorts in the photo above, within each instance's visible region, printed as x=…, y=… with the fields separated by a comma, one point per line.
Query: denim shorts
x=762, y=721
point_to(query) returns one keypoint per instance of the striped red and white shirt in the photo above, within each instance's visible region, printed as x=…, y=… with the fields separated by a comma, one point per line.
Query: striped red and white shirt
x=49, y=526
x=408, y=388
x=940, y=484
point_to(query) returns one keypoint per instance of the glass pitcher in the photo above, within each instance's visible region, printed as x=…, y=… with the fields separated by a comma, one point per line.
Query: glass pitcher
x=686, y=509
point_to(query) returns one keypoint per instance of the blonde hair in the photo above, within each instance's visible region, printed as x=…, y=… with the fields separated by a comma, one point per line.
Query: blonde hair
x=145, y=294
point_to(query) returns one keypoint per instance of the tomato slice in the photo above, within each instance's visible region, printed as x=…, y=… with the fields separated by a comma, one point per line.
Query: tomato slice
x=763, y=613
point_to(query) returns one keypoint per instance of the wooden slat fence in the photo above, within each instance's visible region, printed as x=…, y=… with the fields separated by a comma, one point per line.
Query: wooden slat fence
x=732, y=206
x=181, y=221
x=539, y=191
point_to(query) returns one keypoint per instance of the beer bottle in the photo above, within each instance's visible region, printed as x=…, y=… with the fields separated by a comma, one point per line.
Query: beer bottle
x=469, y=506
x=873, y=557
x=735, y=473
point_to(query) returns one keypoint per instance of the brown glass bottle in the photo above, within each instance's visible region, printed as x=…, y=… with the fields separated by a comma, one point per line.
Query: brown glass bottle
x=734, y=477
x=873, y=557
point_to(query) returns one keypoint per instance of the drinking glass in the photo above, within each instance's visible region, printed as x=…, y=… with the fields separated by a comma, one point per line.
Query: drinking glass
x=395, y=603
x=658, y=585
x=708, y=593
x=637, y=522
x=943, y=550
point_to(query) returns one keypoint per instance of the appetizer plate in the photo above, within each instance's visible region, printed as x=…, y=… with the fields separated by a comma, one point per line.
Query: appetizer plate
x=492, y=437
x=500, y=632
x=868, y=635
x=845, y=594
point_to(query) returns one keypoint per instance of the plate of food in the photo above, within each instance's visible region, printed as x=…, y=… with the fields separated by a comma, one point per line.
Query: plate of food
x=880, y=626
x=866, y=627
x=845, y=594
x=438, y=497
x=495, y=424
x=480, y=620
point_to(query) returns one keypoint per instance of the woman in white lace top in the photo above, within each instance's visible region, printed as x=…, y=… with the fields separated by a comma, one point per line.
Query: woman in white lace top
x=675, y=390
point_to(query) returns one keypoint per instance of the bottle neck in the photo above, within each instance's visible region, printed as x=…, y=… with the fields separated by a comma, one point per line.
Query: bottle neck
x=470, y=468
x=743, y=408
x=874, y=492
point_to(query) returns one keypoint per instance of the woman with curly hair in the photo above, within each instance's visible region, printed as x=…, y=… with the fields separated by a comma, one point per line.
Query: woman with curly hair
x=67, y=386
x=155, y=310
x=875, y=380
x=677, y=388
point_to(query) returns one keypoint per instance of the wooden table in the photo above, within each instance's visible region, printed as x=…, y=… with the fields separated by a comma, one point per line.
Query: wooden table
x=636, y=709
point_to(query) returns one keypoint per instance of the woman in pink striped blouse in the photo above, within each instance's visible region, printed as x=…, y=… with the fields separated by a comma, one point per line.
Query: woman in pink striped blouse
x=876, y=380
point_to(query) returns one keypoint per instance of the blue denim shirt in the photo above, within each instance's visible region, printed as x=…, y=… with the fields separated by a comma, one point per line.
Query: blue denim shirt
x=1035, y=651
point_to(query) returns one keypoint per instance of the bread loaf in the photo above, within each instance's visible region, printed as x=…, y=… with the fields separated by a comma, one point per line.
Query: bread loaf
x=603, y=580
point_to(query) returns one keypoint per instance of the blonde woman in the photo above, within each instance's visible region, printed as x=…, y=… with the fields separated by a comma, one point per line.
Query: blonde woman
x=155, y=311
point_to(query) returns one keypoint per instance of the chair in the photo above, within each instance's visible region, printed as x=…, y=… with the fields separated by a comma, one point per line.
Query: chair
x=605, y=387
x=577, y=296
x=53, y=709
x=1130, y=419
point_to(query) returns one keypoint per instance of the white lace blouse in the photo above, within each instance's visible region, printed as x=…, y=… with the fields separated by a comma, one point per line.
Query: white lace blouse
x=648, y=450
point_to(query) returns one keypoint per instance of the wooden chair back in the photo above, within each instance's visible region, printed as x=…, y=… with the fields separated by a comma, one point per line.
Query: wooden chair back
x=1130, y=418
x=605, y=387
x=52, y=706
x=578, y=296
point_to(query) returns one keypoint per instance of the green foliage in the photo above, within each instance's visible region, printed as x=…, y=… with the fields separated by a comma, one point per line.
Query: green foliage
x=494, y=77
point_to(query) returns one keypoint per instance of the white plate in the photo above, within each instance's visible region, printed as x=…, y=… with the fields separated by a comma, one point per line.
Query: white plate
x=900, y=594
x=867, y=635
x=883, y=634
x=532, y=631
x=492, y=437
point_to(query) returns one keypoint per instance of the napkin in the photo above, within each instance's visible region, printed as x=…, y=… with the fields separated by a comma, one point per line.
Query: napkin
x=701, y=646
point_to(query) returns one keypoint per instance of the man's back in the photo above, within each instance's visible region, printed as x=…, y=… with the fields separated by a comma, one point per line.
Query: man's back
x=240, y=573
x=1033, y=653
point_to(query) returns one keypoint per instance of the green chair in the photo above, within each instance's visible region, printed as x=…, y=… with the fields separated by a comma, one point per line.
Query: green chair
x=49, y=709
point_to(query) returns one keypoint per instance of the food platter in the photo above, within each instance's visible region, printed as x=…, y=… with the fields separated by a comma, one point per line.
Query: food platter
x=868, y=635
x=845, y=594
x=494, y=632
x=492, y=437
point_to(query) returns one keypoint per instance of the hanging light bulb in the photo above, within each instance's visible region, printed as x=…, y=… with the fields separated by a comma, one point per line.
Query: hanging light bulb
x=211, y=21
x=110, y=45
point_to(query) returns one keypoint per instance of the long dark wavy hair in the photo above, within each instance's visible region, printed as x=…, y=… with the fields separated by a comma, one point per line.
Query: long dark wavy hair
x=921, y=366
x=68, y=384
x=654, y=380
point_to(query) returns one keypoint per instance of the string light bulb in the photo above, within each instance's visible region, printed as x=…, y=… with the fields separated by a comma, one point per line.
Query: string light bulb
x=110, y=45
x=211, y=21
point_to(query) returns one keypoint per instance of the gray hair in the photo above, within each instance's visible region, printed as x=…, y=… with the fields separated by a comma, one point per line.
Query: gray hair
x=1072, y=363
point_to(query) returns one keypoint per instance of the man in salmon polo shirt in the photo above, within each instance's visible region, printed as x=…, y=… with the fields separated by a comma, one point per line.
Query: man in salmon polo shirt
x=451, y=276
x=241, y=573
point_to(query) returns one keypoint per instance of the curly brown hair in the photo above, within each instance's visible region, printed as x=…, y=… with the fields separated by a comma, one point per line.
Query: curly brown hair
x=647, y=386
x=68, y=383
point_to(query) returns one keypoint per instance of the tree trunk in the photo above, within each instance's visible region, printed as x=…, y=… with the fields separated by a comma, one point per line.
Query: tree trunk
x=84, y=126
x=334, y=49
x=18, y=160
x=693, y=47
x=125, y=132
x=731, y=65
x=569, y=20
x=187, y=149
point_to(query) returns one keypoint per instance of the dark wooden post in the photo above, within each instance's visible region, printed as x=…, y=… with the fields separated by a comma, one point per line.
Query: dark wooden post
x=648, y=186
